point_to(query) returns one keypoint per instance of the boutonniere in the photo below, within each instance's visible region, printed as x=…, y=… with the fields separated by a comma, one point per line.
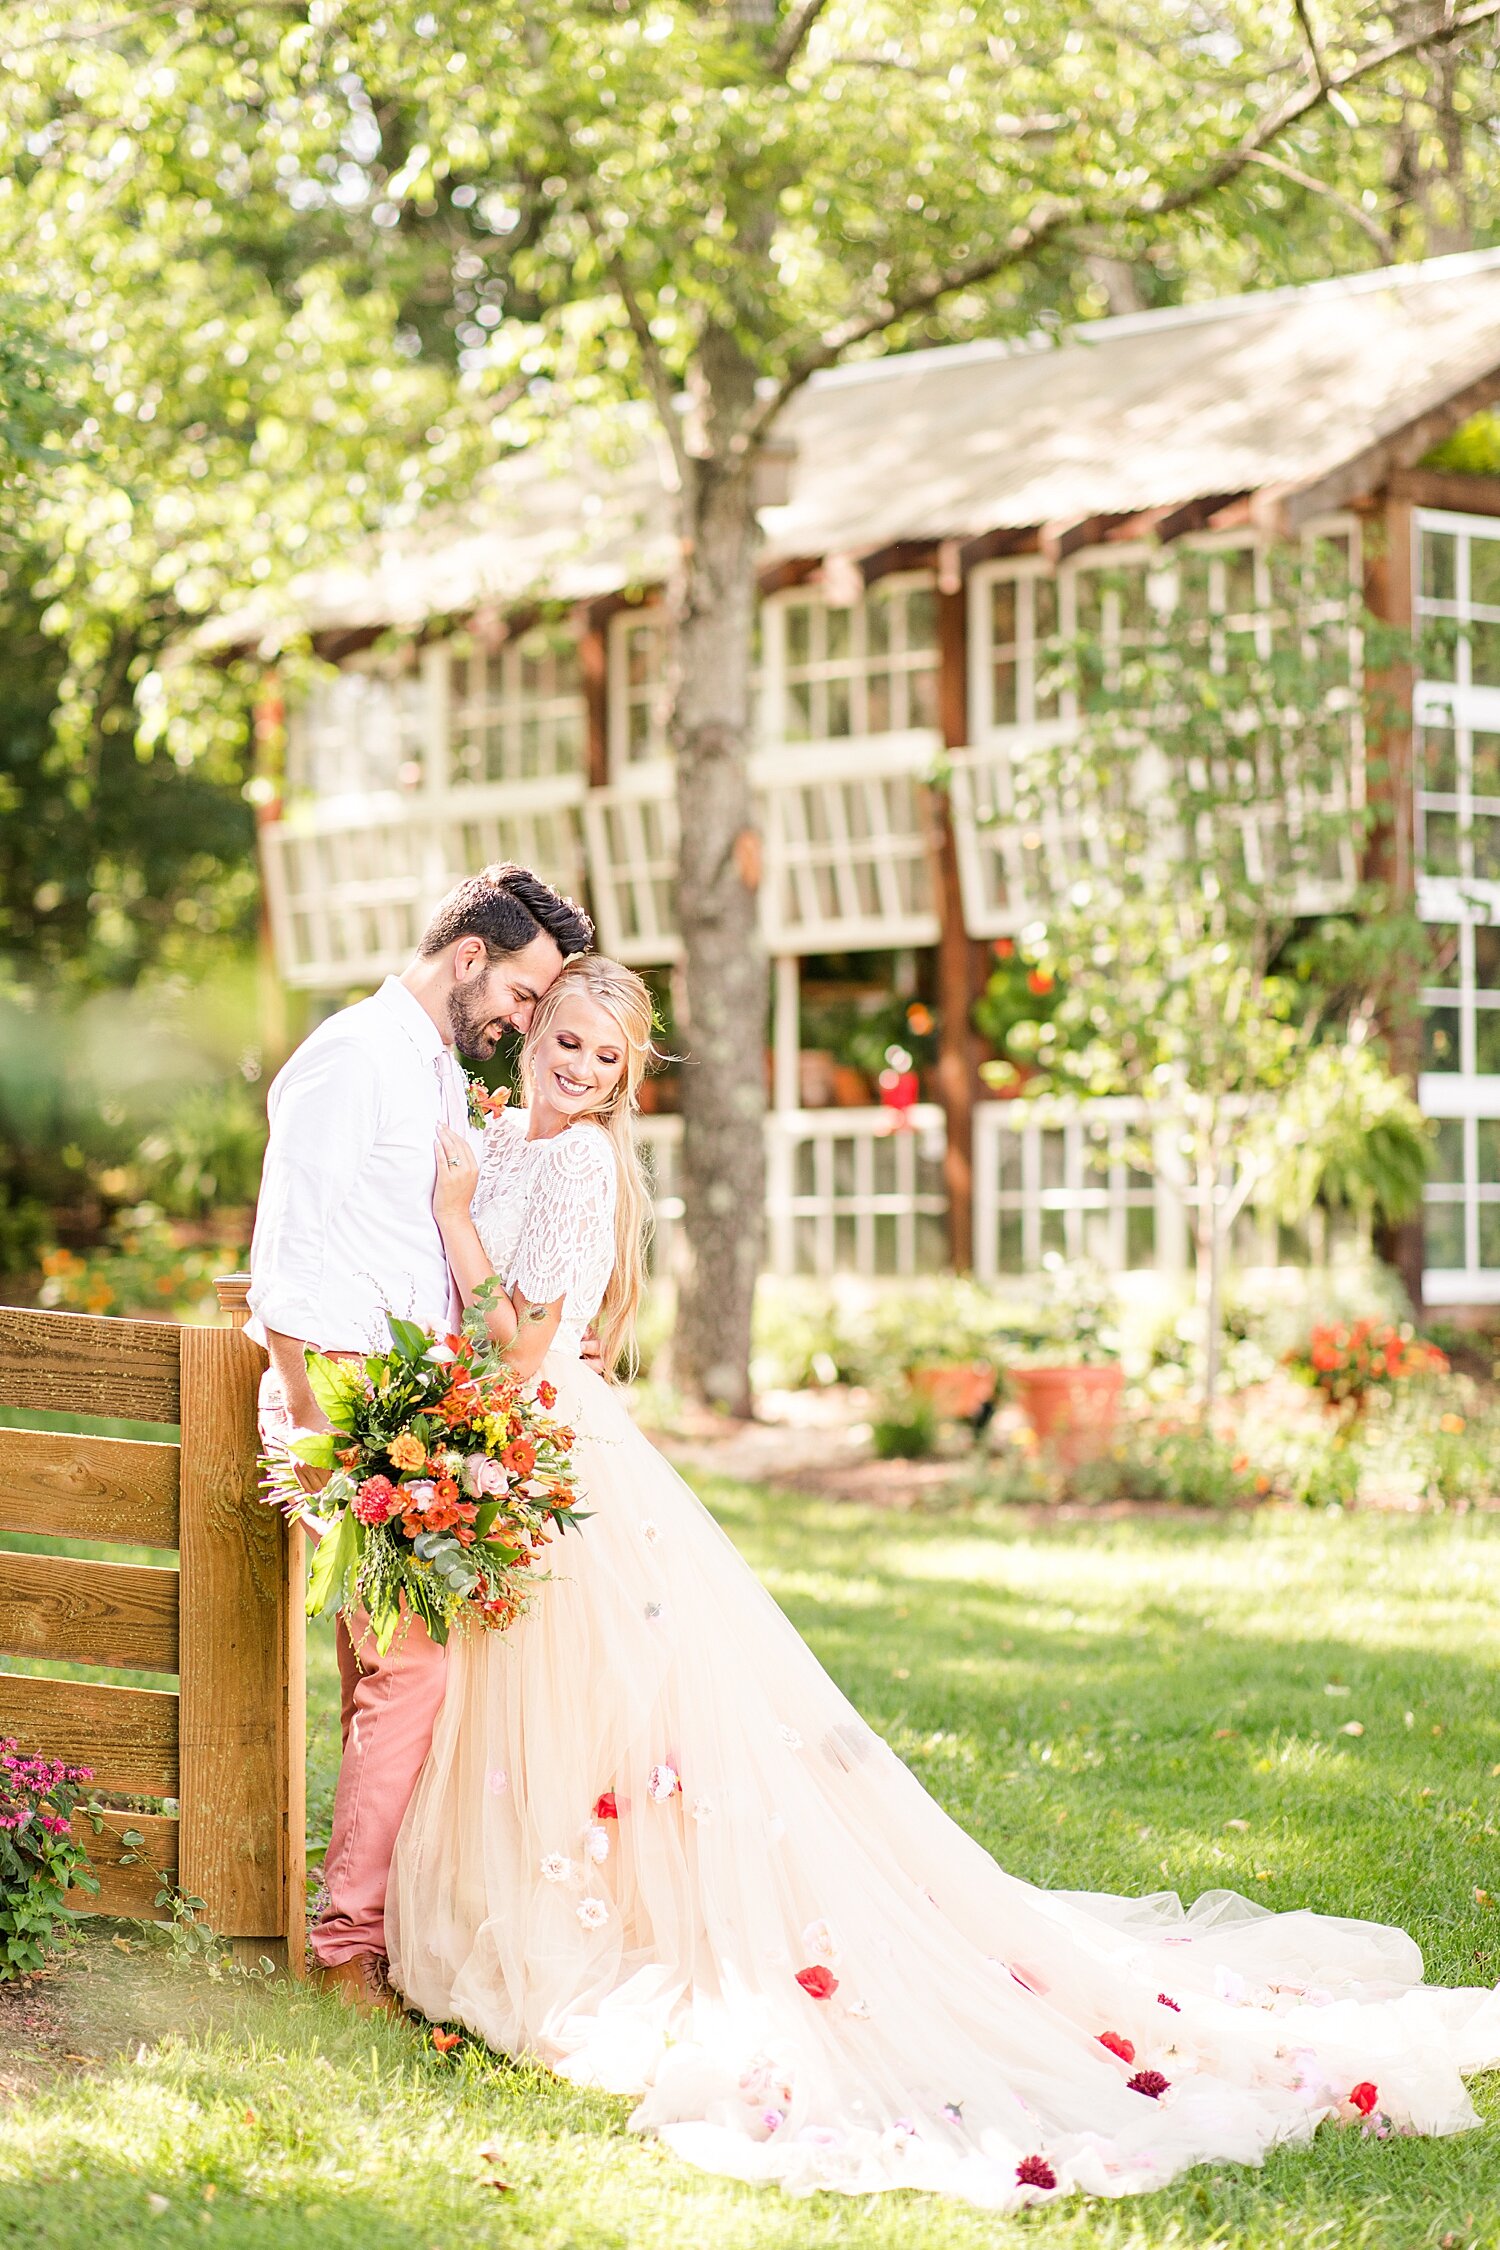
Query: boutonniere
x=483, y=1105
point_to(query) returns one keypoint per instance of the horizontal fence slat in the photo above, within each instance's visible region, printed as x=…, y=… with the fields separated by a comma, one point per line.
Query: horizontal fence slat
x=126, y=1890
x=128, y=1736
x=73, y=1363
x=89, y=1487
x=56, y=1607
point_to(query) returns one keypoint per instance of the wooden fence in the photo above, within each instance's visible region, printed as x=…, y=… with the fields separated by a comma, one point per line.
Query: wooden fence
x=223, y=1755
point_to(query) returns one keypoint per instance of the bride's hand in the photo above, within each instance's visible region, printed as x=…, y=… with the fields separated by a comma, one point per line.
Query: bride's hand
x=457, y=1176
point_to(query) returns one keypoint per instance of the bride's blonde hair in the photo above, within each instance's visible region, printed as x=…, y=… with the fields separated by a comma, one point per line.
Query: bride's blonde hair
x=621, y=993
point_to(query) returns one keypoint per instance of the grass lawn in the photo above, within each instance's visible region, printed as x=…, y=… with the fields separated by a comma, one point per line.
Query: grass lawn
x=1131, y=1705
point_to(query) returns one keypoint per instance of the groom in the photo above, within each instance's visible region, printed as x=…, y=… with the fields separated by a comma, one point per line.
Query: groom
x=344, y=1234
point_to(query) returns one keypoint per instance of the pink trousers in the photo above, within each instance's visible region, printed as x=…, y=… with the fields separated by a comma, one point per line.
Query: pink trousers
x=388, y=1708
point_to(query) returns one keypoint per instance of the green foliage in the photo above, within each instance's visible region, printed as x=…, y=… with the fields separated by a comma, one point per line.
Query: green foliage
x=39, y=1856
x=142, y=1269
x=1203, y=825
x=905, y=1427
x=1347, y=1134
x=119, y=1114
x=1188, y=1467
x=1472, y=451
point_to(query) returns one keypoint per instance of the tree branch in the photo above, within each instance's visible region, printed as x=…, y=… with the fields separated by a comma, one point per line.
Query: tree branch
x=1308, y=34
x=792, y=35
x=1158, y=203
x=1351, y=210
x=658, y=375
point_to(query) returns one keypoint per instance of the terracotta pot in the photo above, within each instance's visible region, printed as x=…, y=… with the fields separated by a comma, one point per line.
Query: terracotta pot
x=851, y=1088
x=957, y=1392
x=1073, y=1410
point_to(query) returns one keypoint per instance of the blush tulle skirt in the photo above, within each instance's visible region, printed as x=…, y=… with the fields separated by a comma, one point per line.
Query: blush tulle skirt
x=656, y=1848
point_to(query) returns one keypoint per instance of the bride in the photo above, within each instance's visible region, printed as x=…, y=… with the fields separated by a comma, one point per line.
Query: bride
x=654, y=1846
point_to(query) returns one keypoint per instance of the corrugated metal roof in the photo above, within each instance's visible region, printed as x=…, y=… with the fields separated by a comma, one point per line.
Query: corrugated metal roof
x=1276, y=389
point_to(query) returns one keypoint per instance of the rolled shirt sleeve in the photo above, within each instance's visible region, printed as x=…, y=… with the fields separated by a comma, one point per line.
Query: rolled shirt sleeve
x=325, y=1116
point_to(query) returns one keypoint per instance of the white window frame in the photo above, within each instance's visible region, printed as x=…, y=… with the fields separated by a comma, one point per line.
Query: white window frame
x=899, y=665
x=508, y=706
x=623, y=698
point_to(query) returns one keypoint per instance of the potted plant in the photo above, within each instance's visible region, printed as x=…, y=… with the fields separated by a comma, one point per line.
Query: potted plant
x=1066, y=1371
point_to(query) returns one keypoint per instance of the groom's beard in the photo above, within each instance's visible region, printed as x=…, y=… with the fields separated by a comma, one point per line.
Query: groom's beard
x=470, y=1017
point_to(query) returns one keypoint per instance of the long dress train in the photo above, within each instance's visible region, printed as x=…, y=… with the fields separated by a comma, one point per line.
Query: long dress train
x=656, y=1847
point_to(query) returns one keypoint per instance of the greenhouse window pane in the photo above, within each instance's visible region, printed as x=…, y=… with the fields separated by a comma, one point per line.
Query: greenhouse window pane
x=1439, y=566
x=1443, y=1234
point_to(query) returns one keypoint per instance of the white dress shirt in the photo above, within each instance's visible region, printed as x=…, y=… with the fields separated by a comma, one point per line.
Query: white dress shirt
x=344, y=1231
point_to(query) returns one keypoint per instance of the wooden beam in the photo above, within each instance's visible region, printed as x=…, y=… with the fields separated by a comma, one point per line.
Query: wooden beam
x=127, y=1737
x=1390, y=846
x=900, y=554
x=793, y=570
x=64, y=1610
x=958, y=1052
x=1194, y=515
x=241, y=1824
x=88, y=1487
x=1442, y=488
x=71, y=1363
x=1065, y=535
x=993, y=546
x=1372, y=469
x=592, y=629
x=126, y=1890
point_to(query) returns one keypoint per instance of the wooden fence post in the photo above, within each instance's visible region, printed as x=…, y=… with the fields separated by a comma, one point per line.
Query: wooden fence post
x=242, y=1791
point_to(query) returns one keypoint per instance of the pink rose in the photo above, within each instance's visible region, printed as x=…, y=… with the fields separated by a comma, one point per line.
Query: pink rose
x=487, y=1475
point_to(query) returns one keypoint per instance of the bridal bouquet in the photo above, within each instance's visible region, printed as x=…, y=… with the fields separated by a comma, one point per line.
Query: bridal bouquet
x=448, y=1483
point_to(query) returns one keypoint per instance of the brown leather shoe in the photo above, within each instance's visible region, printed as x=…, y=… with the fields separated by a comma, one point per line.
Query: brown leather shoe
x=360, y=1983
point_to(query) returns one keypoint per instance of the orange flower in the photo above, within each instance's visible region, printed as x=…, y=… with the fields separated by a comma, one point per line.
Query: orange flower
x=407, y=1452
x=519, y=1457
x=446, y=2041
x=1451, y=1424
x=1040, y=981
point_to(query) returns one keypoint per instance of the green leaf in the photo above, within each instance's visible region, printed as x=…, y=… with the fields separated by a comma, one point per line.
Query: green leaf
x=335, y=1556
x=410, y=1341
x=488, y=1510
x=319, y=1449
x=338, y=1387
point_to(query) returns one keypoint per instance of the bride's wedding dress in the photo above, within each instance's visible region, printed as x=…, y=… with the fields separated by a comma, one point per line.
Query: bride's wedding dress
x=656, y=1847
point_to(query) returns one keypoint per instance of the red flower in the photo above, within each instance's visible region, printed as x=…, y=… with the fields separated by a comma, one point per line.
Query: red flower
x=1004, y=948
x=546, y=1396
x=605, y=1807
x=376, y=1500
x=1117, y=2045
x=1035, y=2171
x=1150, y=2083
x=818, y=1983
x=1039, y=982
x=1364, y=2096
x=1164, y=2001
x=519, y=1457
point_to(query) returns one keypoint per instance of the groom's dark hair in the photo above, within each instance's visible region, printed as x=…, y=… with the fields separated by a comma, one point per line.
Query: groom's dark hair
x=507, y=906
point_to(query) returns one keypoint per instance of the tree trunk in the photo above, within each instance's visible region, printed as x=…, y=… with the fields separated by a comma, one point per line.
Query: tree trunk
x=724, y=982
x=1206, y=1262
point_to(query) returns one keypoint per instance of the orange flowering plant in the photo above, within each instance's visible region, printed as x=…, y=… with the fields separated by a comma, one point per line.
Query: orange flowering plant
x=1348, y=1361
x=450, y=1480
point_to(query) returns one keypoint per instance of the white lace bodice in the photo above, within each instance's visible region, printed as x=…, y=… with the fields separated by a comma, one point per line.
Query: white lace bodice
x=545, y=1212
